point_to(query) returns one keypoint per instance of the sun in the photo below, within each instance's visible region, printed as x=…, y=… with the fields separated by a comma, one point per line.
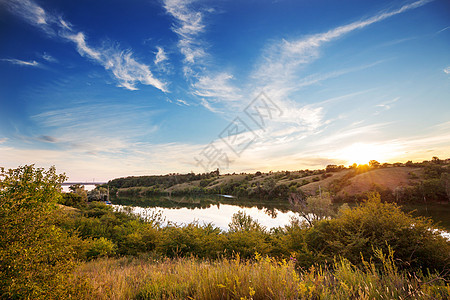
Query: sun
x=361, y=153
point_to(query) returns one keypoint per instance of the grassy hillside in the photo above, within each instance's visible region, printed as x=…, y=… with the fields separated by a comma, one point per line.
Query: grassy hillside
x=409, y=182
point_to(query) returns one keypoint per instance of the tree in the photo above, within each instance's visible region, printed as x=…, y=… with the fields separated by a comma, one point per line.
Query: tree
x=79, y=190
x=409, y=163
x=374, y=164
x=240, y=221
x=436, y=160
x=312, y=208
x=332, y=168
x=35, y=255
x=445, y=180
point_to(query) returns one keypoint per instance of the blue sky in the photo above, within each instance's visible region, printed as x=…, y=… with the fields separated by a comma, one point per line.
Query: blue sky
x=102, y=89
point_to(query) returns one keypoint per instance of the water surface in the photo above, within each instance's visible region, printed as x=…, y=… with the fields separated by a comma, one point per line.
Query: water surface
x=219, y=210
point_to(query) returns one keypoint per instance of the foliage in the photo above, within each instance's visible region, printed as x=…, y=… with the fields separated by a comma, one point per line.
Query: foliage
x=35, y=255
x=72, y=199
x=312, y=208
x=101, y=247
x=163, y=180
x=79, y=190
x=352, y=233
x=374, y=224
x=240, y=221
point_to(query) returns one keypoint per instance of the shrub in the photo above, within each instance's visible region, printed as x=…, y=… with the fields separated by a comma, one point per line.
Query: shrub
x=101, y=247
x=374, y=224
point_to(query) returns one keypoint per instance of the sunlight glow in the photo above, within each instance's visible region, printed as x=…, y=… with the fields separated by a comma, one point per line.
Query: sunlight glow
x=361, y=153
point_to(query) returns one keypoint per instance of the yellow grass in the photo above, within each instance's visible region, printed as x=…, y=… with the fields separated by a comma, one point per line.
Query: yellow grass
x=261, y=278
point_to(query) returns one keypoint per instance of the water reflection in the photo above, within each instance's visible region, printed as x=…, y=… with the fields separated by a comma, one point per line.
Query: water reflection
x=202, y=202
x=217, y=210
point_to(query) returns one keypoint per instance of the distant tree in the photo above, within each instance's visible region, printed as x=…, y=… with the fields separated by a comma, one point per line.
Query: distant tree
x=374, y=164
x=72, y=199
x=312, y=208
x=436, y=160
x=332, y=168
x=409, y=163
x=79, y=190
x=240, y=221
x=98, y=194
x=445, y=181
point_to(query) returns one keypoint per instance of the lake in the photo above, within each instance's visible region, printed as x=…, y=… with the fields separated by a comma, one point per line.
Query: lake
x=213, y=209
x=219, y=210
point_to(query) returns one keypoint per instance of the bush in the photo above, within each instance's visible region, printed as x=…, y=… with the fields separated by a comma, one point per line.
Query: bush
x=376, y=225
x=101, y=247
x=72, y=199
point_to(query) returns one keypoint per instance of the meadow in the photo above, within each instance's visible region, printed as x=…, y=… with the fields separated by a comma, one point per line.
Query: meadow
x=50, y=251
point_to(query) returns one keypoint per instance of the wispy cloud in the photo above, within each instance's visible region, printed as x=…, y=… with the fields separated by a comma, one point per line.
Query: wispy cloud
x=19, y=62
x=282, y=59
x=188, y=25
x=49, y=58
x=96, y=127
x=278, y=72
x=216, y=89
x=352, y=132
x=161, y=61
x=47, y=139
x=447, y=70
x=32, y=13
x=386, y=105
x=124, y=68
x=443, y=29
x=161, y=56
x=181, y=102
x=122, y=65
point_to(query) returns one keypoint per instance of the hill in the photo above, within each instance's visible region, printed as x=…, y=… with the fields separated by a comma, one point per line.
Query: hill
x=401, y=182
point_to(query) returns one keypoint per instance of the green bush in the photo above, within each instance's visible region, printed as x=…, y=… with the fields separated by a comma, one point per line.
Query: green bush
x=373, y=224
x=101, y=247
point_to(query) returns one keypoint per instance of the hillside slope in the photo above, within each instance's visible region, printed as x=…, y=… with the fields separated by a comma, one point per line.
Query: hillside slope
x=409, y=180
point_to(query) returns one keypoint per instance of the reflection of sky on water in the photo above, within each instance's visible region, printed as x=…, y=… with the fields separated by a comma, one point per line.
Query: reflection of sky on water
x=87, y=187
x=219, y=215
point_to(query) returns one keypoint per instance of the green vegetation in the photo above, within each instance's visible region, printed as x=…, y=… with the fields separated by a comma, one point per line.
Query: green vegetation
x=35, y=255
x=373, y=250
x=425, y=182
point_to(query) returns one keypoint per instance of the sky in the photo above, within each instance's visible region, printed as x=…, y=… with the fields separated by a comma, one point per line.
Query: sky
x=105, y=89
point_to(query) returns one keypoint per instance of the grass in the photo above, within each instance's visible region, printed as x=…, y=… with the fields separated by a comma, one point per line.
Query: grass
x=259, y=278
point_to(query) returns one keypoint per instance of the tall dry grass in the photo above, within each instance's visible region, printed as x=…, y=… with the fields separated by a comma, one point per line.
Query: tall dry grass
x=260, y=278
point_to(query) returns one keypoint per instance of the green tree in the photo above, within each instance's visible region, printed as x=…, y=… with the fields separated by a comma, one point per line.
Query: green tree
x=35, y=255
x=79, y=190
x=312, y=208
x=240, y=221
